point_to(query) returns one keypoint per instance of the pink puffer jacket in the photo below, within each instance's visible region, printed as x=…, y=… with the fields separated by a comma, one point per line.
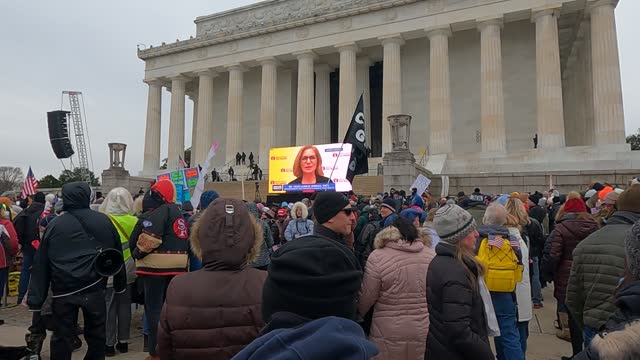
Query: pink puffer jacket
x=395, y=285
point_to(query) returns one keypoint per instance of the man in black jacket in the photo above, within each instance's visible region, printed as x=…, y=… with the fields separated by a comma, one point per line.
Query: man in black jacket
x=65, y=262
x=26, y=224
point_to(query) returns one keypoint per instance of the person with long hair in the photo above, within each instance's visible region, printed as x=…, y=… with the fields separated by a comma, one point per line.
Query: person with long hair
x=573, y=224
x=118, y=206
x=393, y=285
x=514, y=217
x=457, y=317
x=307, y=167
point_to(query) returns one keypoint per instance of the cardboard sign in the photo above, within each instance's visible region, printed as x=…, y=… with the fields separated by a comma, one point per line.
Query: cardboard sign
x=421, y=183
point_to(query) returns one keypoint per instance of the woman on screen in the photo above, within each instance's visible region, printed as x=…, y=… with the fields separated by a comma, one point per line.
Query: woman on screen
x=307, y=167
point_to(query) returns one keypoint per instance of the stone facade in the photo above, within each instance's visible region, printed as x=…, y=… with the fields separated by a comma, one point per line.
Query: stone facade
x=479, y=77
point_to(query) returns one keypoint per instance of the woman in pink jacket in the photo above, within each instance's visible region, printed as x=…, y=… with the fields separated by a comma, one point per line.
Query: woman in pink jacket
x=395, y=285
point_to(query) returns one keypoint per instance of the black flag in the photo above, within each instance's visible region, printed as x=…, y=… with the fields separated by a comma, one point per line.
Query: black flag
x=356, y=136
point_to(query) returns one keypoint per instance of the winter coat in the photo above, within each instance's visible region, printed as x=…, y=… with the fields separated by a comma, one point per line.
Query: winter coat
x=166, y=223
x=598, y=265
x=567, y=233
x=535, y=233
x=457, y=320
x=65, y=260
x=264, y=256
x=26, y=225
x=523, y=288
x=298, y=227
x=619, y=337
x=394, y=284
x=9, y=240
x=214, y=312
x=289, y=336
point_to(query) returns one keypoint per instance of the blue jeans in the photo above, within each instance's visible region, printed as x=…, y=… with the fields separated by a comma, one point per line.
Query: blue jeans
x=523, y=329
x=536, y=285
x=4, y=277
x=145, y=324
x=508, y=345
x=588, y=333
x=28, y=254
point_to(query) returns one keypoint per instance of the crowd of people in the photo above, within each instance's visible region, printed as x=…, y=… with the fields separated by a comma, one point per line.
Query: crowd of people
x=393, y=276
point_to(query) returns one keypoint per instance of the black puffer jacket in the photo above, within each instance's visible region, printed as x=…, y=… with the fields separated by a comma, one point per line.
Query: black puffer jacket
x=66, y=254
x=26, y=224
x=619, y=337
x=458, y=324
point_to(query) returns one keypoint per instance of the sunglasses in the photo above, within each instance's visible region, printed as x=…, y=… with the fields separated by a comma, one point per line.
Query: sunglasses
x=348, y=212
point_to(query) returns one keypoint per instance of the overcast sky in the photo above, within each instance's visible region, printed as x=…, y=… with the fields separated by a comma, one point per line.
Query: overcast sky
x=50, y=46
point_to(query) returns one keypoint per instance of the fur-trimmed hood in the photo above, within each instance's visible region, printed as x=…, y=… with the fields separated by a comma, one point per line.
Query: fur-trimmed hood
x=224, y=240
x=618, y=345
x=301, y=205
x=391, y=234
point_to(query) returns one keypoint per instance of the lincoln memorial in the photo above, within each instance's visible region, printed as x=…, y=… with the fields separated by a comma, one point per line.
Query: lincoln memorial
x=492, y=85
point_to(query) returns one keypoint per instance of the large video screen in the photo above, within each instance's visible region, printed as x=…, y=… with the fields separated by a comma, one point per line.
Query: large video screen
x=309, y=168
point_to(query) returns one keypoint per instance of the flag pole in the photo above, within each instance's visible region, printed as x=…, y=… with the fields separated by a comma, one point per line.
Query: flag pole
x=326, y=187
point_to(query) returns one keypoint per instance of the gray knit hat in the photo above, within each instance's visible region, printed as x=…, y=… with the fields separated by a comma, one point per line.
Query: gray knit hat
x=453, y=223
x=632, y=249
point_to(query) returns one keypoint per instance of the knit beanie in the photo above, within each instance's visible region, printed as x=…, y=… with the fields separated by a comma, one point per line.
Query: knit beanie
x=410, y=214
x=632, y=249
x=207, y=197
x=453, y=223
x=389, y=203
x=629, y=200
x=612, y=199
x=313, y=278
x=575, y=206
x=166, y=190
x=327, y=205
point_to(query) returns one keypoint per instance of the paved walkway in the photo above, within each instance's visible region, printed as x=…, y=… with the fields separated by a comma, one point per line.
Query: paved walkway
x=542, y=345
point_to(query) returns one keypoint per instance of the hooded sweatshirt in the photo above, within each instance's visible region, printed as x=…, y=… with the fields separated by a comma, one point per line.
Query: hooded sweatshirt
x=309, y=341
x=69, y=247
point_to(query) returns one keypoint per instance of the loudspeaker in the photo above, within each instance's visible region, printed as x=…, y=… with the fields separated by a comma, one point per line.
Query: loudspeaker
x=62, y=148
x=57, y=121
x=108, y=262
x=59, y=134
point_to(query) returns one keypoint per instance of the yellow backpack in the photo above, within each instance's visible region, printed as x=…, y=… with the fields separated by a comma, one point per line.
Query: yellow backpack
x=503, y=271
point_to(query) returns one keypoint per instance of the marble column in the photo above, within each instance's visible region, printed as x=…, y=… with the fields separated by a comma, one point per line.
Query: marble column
x=194, y=129
x=152, y=130
x=391, y=85
x=204, y=128
x=439, y=91
x=363, y=87
x=323, y=105
x=234, y=111
x=176, y=121
x=607, y=89
x=268, y=110
x=305, y=112
x=550, y=116
x=491, y=90
x=347, y=87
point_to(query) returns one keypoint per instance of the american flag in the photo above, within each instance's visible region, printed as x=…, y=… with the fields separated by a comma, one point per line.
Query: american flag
x=181, y=163
x=498, y=240
x=30, y=186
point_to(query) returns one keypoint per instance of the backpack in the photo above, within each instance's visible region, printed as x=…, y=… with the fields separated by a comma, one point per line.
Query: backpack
x=503, y=270
x=364, y=244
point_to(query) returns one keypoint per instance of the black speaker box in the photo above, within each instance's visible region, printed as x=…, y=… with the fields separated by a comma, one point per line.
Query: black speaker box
x=62, y=148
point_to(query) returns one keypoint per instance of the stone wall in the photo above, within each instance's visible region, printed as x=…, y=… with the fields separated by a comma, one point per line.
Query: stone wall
x=530, y=182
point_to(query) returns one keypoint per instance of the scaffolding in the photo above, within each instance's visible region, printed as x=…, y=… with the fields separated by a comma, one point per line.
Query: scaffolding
x=81, y=132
